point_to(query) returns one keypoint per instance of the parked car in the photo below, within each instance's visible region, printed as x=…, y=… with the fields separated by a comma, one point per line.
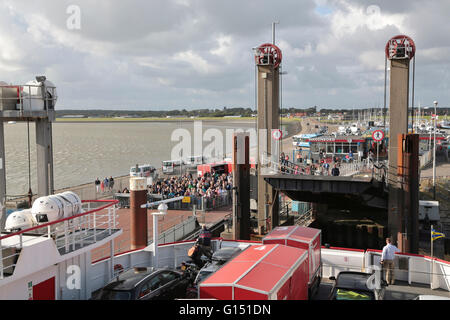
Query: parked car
x=145, y=283
x=218, y=259
x=351, y=285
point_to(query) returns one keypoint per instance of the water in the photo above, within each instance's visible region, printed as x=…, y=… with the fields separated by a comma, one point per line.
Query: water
x=85, y=151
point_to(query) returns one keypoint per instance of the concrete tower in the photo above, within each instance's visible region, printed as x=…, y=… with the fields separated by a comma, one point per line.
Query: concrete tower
x=241, y=182
x=400, y=50
x=268, y=59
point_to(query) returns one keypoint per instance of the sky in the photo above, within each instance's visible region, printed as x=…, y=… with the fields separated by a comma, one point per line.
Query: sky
x=194, y=54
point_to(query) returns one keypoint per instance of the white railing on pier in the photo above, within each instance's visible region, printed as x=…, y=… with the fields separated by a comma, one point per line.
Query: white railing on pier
x=426, y=158
x=69, y=234
x=346, y=169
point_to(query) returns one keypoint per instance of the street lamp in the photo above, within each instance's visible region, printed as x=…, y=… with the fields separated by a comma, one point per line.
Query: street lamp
x=434, y=151
x=429, y=140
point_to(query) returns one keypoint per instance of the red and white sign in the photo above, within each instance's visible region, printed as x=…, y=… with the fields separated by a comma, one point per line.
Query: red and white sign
x=378, y=135
x=261, y=272
x=277, y=134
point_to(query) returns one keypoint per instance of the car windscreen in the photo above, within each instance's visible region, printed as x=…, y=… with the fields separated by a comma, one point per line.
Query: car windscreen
x=352, y=281
x=345, y=294
x=115, y=295
x=202, y=275
x=167, y=163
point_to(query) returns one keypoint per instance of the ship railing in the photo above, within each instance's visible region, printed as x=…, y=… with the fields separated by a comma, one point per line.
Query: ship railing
x=69, y=234
x=175, y=232
x=414, y=269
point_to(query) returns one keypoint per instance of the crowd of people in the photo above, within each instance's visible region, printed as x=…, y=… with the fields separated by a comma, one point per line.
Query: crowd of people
x=303, y=167
x=104, y=185
x=209, y=185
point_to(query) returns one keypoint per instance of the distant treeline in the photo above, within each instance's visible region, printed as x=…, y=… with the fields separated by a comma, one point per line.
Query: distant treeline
x=244, y=112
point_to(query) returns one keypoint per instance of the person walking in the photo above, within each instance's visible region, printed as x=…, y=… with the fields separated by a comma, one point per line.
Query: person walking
x=282, y=157
x=102, y=186
x=106, y=183
x=387, y=260
x=97, y=185
x=335, y=171
x=111, y=183
x=327, y=168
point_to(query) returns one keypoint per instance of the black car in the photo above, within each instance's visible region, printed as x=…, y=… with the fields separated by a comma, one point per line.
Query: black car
x=350, y=285
x=145, y=283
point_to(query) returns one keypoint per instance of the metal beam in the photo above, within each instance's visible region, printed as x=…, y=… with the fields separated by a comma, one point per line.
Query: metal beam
x=44, y=157
x=2, y=178
x=347, y=190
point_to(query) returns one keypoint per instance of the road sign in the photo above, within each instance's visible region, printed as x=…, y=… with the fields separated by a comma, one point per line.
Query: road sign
x=378, y=135
x=186, y=200
x=277, y=134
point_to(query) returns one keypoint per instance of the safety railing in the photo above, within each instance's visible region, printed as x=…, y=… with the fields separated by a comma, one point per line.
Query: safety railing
x=28, y=97
x=305, y=219
x=69, y=234
x=285, y=167
x=176, y=232
x=202, y=203
x=351, y=168
x=426, y=158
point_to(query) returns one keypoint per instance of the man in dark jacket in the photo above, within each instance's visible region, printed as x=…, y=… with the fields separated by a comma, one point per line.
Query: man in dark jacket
x=204, y=241
x=335, y=171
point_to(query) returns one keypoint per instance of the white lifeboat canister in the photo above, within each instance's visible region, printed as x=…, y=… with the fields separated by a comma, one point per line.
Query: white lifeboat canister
x=56, y=207
x=19, y=220
x=72, y=205
x=47, y=209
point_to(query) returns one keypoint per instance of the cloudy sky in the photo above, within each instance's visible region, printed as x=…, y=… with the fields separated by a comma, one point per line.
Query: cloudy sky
x=171, y=54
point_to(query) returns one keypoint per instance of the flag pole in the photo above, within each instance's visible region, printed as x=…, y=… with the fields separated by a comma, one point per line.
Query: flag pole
x=432, y=259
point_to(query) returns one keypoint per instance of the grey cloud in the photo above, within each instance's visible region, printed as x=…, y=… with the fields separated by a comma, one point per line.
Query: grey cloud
x=134, y=54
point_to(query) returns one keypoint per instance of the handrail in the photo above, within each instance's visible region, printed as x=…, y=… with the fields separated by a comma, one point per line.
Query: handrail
x=111, y=202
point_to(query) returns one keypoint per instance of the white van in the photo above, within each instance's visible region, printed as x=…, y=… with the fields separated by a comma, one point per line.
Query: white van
x=169, y=166
x=195, y=160
x=144, y=170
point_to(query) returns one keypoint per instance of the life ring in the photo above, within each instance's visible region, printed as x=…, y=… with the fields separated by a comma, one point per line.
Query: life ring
x=118, y=268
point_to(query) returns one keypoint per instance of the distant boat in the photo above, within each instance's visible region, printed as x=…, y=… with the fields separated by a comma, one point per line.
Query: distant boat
x=12, y=122
x=444, y=125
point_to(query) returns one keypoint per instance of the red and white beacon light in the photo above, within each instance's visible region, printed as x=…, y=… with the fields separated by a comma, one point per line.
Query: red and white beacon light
x=400, y=47
x=268, y=54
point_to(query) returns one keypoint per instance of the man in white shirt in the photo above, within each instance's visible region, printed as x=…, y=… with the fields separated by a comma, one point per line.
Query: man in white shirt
x=387, y=260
